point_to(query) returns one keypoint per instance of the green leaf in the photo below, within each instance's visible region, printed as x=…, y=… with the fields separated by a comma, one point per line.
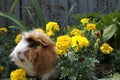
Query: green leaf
x=97, y=15
x=72, y=55
x=15, y=27
x=108, y=18
x=31, y=17
x=21, y=26
x=39, y=12
x=109, y=32
x=13, y=5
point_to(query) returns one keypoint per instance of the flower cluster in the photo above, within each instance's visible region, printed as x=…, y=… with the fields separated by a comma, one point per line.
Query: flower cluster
x=18, y=74
x=77, y=41
x=79, y=49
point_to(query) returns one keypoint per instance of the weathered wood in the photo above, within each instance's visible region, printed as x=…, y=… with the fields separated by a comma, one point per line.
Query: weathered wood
x=45, y=5
x=92, y=5
x=2, y=8
x=57, y=10
x=73, y=4
x=83, y=6
x=17, y=10
x=8, y=4
x=63, y=18
x=112, y=5
x=25, y=4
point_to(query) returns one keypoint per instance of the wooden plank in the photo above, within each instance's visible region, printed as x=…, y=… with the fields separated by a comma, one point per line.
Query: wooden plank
x=92, y=5
x=118, y=4
x=64, y=19
x=56, y=14
x=8, y=4
x=23, y=11
x=100, y=7
x=45, y=5
x=52, y=10
x=75, y=5
x=112, y=5
x=2, y=8
x=17, y=10
x=83, y=6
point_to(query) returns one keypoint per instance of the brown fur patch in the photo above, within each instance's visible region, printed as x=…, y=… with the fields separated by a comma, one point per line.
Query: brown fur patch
x=43, y=56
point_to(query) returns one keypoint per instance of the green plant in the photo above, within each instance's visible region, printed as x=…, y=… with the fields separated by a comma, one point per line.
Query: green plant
x=115, y=76
x=103, y=21
x=6, y=45
x=80, y=56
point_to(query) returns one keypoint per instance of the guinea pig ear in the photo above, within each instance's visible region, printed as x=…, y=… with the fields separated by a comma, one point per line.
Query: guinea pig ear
x=42, y=43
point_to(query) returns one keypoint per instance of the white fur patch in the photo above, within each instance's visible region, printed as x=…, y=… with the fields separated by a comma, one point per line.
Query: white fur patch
x=18, y=53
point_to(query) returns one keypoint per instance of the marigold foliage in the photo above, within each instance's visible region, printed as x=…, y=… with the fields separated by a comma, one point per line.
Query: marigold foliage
x=106, y=48
x=18, y=74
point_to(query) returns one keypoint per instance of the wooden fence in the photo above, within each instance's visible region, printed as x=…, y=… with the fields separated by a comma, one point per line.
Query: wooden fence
x=56, y=10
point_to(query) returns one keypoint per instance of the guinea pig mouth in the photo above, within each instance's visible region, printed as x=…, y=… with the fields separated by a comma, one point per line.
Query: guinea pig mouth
x=22, y=60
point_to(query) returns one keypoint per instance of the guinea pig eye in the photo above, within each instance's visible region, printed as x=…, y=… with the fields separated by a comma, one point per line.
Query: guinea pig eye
x=32, y=45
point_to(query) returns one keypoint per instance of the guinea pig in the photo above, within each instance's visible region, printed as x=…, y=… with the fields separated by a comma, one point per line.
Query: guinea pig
x=35, y=53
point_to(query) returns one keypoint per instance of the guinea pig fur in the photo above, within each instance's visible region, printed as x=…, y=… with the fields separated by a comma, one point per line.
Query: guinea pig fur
x=36, y=53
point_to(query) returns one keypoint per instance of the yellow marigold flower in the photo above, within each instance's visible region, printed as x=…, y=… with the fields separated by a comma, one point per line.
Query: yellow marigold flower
x=18, y=38
x=61, y=52
x=50, y=33
x=3, y=30
x=84, y=20
x=52, y=26
x=63, y=43
x=79, y=42
x=76, y=32
x=18, y=74
x=1, y=68
x=90, y=26
x=39, y=29
x=106, y=48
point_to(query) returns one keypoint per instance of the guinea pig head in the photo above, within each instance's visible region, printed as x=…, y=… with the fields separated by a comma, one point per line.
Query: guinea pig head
x=35, y=53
